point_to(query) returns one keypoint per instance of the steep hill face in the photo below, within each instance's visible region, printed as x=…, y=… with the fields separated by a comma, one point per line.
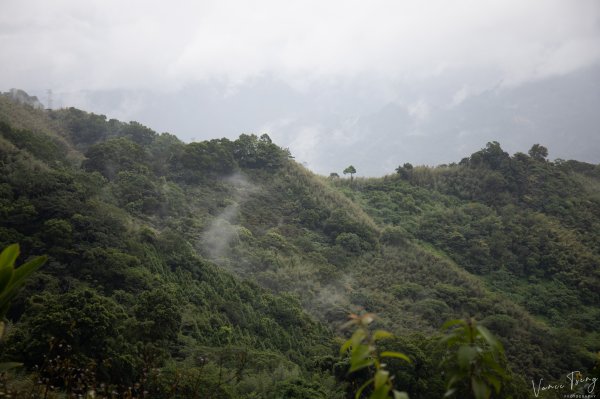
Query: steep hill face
x=528, y=227
x=127, y=289
x=229, y=263
x=426, y=256
x=525, y=229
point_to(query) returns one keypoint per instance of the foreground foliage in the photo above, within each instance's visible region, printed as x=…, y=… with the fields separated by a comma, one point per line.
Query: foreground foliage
x=476, y=370
x=363, y=353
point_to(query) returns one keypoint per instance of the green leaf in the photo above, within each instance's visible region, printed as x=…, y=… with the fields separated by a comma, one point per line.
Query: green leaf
x=449, y=392
x=360, y=364
x=8, y=366
x=6, y=274
x=494, y=381
x=382, y=334
x=454, y=379
x=465, y=355
x=381, y=377
x=359, y=352
x=489, y=338
x=380, y=392
x=451, y=338
x=362, y=388
x=452, y=323
x=344, y=348
x=397, y=355
x=368, y=318
x=360, y=358
x=400, y=395
x=4, y=305
x=9, y=256
x=18, y=277
x=498, y=369
x=27, y=268
x=358, y=336
x=480, y=390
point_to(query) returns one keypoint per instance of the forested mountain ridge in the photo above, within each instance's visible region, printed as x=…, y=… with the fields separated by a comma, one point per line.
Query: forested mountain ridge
x=230, y=264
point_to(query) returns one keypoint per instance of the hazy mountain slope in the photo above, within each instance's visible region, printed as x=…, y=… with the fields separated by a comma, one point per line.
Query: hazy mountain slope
x=231, y=238
x=126, y=292
x=411, y=286
x=527, y=228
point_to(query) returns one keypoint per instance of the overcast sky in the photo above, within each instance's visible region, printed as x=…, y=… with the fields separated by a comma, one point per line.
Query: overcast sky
x=372, y=83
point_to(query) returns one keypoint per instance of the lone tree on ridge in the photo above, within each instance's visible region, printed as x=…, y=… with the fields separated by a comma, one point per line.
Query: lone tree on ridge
x=350, y=169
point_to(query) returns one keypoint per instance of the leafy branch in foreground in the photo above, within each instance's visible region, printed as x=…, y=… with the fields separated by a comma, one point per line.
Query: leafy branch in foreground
x=475, y=360
x=364, y=354
x=11, y=280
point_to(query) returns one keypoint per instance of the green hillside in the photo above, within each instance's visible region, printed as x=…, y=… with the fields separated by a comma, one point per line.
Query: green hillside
x=224, y=269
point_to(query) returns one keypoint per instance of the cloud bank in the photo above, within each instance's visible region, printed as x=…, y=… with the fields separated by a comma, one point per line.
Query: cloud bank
x=74, y=45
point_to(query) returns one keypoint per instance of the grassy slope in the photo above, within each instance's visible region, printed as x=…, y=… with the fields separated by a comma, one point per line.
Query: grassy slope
x=412, y=285
x=536, y=314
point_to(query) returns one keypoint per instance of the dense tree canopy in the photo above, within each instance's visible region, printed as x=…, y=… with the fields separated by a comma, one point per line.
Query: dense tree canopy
x=228, y=267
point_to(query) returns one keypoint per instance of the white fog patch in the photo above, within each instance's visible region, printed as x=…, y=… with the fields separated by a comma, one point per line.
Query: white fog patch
x=222, y=232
